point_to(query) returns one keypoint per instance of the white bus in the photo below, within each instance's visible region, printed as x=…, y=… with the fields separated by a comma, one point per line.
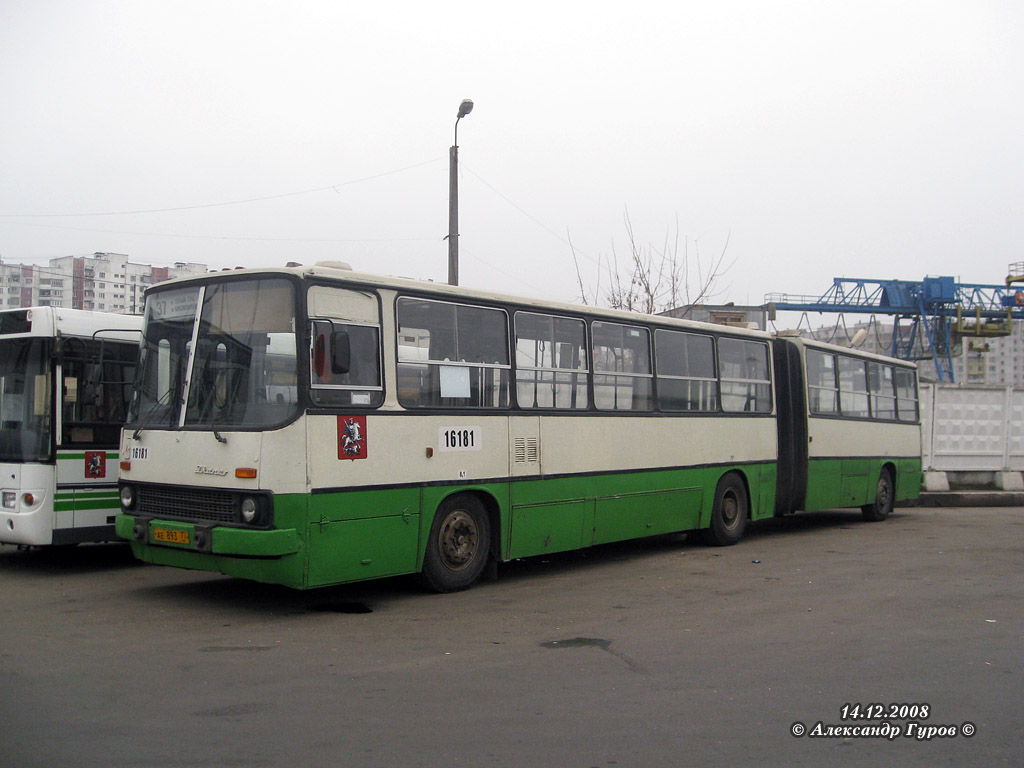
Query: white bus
x=313, y=426
x=66, y=378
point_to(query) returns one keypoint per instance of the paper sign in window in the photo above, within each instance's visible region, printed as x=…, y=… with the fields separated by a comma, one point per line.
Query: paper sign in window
x=454, y=381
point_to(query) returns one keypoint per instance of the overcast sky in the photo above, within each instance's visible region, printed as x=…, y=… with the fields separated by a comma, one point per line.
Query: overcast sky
x=811, y=140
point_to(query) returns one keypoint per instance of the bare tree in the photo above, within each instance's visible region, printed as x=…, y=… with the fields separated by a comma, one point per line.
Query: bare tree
x=654, y=280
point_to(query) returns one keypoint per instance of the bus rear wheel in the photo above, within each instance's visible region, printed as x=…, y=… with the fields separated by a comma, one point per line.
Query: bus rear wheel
x=885, y=494
x=458, y=546
x=729, y=514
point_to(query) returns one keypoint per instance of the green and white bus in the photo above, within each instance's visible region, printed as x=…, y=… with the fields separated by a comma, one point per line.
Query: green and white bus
x=849, y=429
x=66, y=377
x=313, y=426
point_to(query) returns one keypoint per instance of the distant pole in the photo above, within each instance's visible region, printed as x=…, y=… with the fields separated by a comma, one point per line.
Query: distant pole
x=453, y=198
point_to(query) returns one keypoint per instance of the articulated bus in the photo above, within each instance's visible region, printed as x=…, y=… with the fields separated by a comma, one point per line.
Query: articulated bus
x=66, y=377
x=312, y=426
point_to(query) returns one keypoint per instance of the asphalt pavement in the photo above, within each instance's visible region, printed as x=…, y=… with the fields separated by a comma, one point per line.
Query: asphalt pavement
x=819, y=640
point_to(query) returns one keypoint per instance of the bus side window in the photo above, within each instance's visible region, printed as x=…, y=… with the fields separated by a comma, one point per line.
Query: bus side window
x=551, y=361
x=686, y=371
x=743, y=370
x=822, y=385
x=906, y=394
x=622, y=367
x=345, y=364
x=452, y=355
x=883, y=391
x=97, y=387
x=853, y=387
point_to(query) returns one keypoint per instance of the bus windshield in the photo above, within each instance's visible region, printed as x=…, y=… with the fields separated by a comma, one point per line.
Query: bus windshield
x=242, y=371
x=25, y=400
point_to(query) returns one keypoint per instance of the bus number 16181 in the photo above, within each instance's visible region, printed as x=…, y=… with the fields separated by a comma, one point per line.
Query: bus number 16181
x=459, y=438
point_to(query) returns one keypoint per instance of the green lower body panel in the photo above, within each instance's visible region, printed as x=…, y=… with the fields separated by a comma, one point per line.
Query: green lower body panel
x=846, y=482
x=556, y=526
x=355, y=550
x=344, y=536
x=568, y=513
x=908, y=479
x=549, y=527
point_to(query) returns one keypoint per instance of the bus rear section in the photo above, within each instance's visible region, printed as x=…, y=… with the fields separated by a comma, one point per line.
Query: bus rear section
x=849, y=429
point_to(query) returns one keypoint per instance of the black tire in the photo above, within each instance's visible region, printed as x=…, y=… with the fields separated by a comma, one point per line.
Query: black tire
x=730, y=512
x=458, y=546
x=885, y=494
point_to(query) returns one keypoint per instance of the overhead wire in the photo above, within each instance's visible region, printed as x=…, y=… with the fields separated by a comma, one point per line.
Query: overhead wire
x=333, y=187
x=529, y=215
x=230, y=237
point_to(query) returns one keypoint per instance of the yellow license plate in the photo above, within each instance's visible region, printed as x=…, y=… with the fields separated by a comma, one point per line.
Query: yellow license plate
x=171, y=536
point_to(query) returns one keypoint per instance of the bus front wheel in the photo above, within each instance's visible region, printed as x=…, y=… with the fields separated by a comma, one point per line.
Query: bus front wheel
x=884, y=496
x=729, y=514
x=458, y=545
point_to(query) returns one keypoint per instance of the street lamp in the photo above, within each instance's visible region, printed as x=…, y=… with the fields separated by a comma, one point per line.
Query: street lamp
x=453, y=198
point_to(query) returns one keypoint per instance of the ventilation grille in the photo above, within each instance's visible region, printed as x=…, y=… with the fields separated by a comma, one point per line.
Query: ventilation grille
x=186, y=504
x=527, y=450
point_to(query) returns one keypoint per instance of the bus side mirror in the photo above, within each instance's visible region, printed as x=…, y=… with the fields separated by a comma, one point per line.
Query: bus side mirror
x=341, y=352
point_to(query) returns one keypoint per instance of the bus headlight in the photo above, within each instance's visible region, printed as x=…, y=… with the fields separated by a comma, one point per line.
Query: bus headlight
x=249, y=509
x=10, y=500
x=127, y=497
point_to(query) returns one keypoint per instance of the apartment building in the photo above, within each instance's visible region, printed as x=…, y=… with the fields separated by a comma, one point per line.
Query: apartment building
x=105, y=282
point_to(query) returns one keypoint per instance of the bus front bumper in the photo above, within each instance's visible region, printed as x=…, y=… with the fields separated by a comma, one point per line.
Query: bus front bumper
x=217, y=540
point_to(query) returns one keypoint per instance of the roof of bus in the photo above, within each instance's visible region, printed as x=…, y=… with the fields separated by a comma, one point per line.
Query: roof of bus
x=47, y=321
x=829, y=347
x=333, y=271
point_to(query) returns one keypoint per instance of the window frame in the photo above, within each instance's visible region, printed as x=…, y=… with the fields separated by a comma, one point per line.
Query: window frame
x=876, y=376
x=834, y=389
x=315, y=386
x=596, y=372
x=748, y=382
x=714, y=380
x=573, y=373
x=506, y=384
x=915, y=393
x=872, y=394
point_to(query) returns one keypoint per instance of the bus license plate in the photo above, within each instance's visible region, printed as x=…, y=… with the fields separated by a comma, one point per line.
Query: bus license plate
x=171, y=536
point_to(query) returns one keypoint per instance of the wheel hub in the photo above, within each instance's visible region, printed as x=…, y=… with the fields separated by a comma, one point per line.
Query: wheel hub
x=458, y=539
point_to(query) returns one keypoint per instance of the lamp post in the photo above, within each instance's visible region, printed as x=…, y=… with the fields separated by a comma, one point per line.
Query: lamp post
x=453, y=198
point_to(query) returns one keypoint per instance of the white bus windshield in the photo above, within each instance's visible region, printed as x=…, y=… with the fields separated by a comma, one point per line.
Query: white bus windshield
x=243, y=372
x=25, y=400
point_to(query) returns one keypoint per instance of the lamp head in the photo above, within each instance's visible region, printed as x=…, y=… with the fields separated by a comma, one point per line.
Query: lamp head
x=465, y=108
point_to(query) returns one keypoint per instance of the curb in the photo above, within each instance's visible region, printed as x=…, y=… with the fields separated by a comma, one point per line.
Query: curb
x=968, y=499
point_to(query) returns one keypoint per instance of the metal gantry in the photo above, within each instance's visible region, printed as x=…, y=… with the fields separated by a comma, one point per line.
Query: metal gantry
x=930, y=315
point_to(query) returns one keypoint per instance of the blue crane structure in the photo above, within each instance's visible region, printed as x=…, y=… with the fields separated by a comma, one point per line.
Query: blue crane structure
x=930, y=315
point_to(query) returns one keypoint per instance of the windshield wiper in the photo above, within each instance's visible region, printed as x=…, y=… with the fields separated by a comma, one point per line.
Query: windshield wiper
x=148, y=421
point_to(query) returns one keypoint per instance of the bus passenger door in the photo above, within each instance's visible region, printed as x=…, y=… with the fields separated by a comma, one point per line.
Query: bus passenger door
x=96, y=379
